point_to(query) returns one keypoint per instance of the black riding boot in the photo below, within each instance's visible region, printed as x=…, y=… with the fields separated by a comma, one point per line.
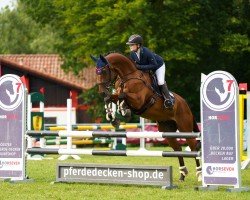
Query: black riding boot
x=165, y=93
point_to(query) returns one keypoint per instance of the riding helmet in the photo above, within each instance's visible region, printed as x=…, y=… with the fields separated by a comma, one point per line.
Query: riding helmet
x=134, y=39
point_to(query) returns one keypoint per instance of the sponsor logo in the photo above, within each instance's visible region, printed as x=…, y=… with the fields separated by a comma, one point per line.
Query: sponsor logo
x=219, y=91
x=211, y=170
x=8, y=163
x=11, y=89
x=9, y=116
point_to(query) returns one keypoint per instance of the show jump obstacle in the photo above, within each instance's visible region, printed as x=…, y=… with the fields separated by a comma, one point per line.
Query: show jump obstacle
x=220, y=141
x=12, y=128
x=220, y=131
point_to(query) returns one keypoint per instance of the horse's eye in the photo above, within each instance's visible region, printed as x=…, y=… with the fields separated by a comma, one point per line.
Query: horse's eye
x=104, y=71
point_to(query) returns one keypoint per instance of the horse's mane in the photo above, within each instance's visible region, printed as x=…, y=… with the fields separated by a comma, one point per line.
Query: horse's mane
x=127, y=56
x=110, y=52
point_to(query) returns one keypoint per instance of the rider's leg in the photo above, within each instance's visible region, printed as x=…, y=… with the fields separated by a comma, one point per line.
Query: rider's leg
x=160, y=74
x=167, y=99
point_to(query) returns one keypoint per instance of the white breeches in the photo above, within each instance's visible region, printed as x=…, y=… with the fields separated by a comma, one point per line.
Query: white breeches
x=160, y=74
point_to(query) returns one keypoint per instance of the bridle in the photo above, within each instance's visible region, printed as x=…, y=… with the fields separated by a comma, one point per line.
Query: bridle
x=109, y=82
x=100, y=70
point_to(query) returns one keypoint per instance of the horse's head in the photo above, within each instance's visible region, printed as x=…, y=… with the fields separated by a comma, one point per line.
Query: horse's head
x=101, y=64
x=105, y=76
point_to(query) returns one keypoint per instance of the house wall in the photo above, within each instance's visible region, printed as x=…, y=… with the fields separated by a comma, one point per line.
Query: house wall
x=57, y=114
x=56, y=96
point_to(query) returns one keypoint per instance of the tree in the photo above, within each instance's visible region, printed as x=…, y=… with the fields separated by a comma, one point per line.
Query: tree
x=193, y=37
x=21, y=34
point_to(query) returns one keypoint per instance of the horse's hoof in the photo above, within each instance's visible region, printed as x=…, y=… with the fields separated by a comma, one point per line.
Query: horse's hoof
x=199, y=178
x=182, y=178
x=183, y=172
x=199, y=173
x=116, y=123
x=128, y=114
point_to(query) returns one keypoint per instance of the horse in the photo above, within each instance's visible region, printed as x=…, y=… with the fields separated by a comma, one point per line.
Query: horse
x=135, y=88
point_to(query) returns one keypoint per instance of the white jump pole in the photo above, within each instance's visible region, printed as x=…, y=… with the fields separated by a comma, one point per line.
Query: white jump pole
x=114, y=110
x=246, y=163
x=42, y=140
x=29, y=109
x=142, y=140
x=69, y=128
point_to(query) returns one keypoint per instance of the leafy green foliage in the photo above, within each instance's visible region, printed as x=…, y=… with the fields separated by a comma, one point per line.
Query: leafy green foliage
x=21, y=34
x=93, y=98
x=193, y=37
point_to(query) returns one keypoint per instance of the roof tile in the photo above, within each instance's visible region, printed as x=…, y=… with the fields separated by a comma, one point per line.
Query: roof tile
x=50, y=64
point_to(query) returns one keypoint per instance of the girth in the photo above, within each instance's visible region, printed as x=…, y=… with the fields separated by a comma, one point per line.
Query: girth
x=150, y=102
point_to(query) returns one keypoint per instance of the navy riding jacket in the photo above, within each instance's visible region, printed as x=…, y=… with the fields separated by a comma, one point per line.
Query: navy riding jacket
x=148, y=60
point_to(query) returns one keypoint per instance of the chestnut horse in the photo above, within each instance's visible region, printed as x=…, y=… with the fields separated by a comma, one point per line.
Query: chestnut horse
x=135, y=88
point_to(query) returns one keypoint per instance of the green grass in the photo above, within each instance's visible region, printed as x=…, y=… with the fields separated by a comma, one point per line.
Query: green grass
x=43, y=172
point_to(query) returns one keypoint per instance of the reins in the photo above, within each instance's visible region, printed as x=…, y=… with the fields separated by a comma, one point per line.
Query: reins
x=107, y=83
x=125, y=78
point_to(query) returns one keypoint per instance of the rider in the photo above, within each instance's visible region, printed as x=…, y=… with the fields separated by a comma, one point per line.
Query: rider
x=147, y=60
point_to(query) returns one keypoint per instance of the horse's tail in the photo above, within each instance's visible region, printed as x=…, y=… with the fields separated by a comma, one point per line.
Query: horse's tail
x=195, y=126
x=196, y=129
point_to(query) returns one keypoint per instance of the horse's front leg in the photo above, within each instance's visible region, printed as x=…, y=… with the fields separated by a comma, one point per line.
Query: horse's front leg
x=110, y=108
x=123, y=109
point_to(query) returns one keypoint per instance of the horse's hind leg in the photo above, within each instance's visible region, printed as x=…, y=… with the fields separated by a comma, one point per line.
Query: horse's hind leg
x=193, y=144
x=170, y=126
x=177, y=147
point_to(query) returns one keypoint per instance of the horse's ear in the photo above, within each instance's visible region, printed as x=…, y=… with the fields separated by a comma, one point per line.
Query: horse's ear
x=93, y=58
x=103, y=59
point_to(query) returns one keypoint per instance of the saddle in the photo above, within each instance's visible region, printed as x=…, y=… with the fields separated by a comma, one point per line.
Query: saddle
x=151, y=100
x=156, y=87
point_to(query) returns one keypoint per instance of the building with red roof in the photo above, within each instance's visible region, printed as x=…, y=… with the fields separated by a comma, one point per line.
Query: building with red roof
x=43, y=73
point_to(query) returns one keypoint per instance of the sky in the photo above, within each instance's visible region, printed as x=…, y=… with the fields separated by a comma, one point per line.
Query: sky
x=4, y=3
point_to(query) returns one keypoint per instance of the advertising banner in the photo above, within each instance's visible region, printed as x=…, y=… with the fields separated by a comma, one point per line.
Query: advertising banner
x=117, y=174
x=12, y=105
x=220, y=133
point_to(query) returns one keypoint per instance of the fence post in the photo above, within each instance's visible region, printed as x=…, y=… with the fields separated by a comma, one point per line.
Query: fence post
x=69, y=128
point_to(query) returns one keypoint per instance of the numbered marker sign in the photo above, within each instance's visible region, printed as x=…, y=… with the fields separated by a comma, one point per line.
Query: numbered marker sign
x=220, y=134
x=11, y=128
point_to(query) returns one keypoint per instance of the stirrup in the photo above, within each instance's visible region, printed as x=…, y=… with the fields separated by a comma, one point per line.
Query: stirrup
x=168, y=104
